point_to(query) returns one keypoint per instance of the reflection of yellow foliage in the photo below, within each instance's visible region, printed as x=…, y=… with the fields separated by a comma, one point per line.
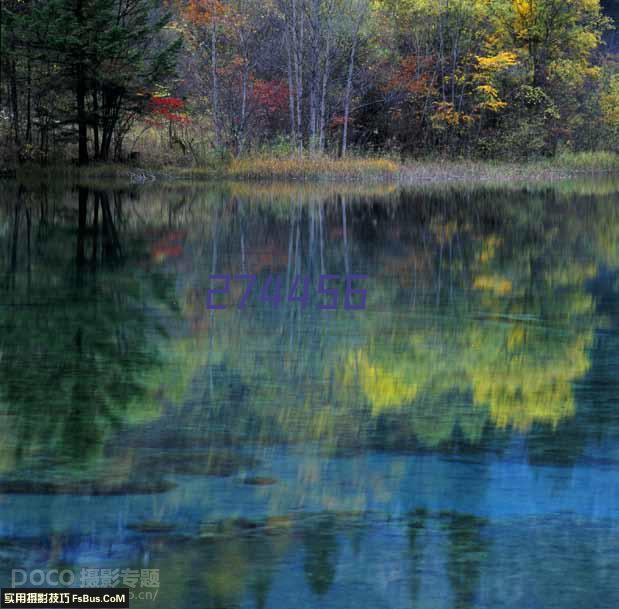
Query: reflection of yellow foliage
x=444, y=231
x=489, y=248
x=515, y=337
x=498, y=285
x=384, y=388
x=574, y=274
x=225, y=576
x=524, y=383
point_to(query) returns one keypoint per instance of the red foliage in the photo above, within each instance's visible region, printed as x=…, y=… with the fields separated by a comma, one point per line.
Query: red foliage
x=338, y=121
x=169, y=246
x=163, y=109
x=270, y=96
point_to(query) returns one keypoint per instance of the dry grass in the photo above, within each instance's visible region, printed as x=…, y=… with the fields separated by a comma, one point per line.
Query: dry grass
x=313, y=168
x=353, y=170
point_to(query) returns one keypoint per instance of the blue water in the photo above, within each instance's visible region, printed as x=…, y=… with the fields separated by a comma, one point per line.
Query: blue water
x=453, y=445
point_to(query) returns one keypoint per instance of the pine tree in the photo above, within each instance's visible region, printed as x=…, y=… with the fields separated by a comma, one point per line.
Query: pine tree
x=107, y=56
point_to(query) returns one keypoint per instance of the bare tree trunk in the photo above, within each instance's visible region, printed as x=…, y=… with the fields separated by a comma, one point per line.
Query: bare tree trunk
x=215, y=84
x=297, y=44
x=81, y=117
x=323, y=96
x=80, y=94
x=242, y=127
x=351, y=65
x=95, y=125
x=293, y=130
x=15, y=103
x=29, y=103
x=316, y=27
x=241, y=134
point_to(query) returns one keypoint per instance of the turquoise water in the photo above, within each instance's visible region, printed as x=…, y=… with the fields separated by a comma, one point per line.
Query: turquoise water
x=454, y=444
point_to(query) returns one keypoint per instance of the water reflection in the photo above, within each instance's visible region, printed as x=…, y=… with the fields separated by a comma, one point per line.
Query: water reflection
x=280, y=453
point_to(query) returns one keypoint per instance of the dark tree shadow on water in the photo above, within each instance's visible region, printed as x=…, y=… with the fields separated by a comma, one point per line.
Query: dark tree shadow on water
x=78, y=338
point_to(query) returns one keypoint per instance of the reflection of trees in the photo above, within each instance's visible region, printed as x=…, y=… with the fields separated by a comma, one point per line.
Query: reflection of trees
x=500, y=327
x=320, y=543
x=480, y=321
x=466, y=553
x=415, y=527
x=479, y=315
x=79, y=349
x=521, y=357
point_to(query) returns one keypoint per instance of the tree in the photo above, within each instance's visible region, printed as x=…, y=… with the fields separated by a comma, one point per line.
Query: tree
x=106, y=55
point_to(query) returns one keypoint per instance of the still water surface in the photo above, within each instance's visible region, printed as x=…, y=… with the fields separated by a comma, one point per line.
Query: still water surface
x=453, y=445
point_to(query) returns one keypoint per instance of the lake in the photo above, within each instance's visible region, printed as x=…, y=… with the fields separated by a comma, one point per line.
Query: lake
x=450, y=439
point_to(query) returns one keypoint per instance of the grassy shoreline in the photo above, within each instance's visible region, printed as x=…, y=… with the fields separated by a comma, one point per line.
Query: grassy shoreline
x=354, y=169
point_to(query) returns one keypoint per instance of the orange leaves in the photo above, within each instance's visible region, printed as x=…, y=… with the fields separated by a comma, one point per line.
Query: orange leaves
x=207, y=13
x=412, y=75
x=203, y=12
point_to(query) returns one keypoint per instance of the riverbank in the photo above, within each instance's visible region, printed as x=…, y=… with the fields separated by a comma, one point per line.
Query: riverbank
x=354, y=169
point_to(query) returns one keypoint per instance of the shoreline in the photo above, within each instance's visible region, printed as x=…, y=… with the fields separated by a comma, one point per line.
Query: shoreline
x=325, y=170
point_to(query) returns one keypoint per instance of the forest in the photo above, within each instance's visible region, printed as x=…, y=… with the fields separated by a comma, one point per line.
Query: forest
x=200, y=82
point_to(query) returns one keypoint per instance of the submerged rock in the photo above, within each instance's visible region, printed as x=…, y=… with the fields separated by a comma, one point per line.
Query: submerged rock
x=227, y=528
x=260, y=481
x=151, y=526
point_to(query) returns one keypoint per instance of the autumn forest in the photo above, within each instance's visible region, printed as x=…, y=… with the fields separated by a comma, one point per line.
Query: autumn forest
x=199, y=82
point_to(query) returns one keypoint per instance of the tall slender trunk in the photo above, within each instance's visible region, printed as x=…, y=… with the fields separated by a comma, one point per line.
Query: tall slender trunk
x=29, y=102
x=360, y=17
x=293, y=130
x=215, y=84
x=297, y=44
x=15, y=104
x=95, y=124
x=80, y=94
x=242, y=125
x=351, y=65
x=323, y=96
x=313, y=76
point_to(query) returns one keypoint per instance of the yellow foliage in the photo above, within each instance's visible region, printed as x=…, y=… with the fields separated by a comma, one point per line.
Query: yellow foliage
x=498, y=62
x=489, y=248
x=497, y=285
x=488, y=90
x=522, y=387
x=491, y=101
x=383, y=388
x=609, y=103
x=447, y=115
